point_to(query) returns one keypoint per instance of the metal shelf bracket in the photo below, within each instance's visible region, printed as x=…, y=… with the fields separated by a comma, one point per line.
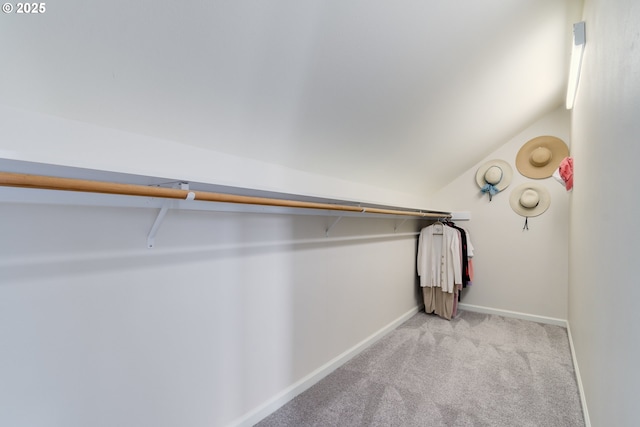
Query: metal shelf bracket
x=396, y=227
x=151, y=237
x=326, y=232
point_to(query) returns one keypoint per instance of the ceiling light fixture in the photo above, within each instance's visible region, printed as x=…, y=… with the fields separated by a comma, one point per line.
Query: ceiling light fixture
x=579, y=39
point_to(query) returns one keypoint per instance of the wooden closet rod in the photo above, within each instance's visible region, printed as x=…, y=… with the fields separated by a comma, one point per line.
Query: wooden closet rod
x=9, y=179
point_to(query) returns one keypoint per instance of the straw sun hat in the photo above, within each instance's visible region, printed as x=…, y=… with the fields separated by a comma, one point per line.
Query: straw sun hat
x=540, y=157
x=530, y=199
x=494, y=176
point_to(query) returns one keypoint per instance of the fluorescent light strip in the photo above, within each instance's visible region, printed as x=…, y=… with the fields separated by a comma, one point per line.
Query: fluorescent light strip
x=577, y=50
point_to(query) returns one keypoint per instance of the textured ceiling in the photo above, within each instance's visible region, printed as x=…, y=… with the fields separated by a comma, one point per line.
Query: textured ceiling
x=405, y=95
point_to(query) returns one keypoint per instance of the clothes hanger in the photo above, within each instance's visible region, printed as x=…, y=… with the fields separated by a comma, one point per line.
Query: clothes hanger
x=438, y=227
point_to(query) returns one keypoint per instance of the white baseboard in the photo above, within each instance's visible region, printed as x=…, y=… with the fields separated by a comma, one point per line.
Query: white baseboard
x=583, y=400
x=513, y=314
x=273, y=404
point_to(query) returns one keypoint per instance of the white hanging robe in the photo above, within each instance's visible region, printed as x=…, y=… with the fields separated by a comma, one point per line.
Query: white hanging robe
x=439, y=263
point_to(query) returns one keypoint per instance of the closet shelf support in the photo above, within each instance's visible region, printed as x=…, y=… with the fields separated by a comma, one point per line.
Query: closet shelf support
x=328, y=230
x=151, y=237
x=396, y=227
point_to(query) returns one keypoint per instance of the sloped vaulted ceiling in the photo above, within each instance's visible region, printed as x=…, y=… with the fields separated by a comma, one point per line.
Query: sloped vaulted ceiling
x=404, y=95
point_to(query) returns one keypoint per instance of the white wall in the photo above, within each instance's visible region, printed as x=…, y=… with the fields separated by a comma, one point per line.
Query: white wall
x=227, y=311
x=516, y=270
x=605, y=207
x=224, y=314
x=33, y=137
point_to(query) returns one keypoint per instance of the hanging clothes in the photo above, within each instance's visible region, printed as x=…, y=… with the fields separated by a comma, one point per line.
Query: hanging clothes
x=443, y=304
x=439, y=266
x=466, y=278
x=469, y=256
x=445, y=267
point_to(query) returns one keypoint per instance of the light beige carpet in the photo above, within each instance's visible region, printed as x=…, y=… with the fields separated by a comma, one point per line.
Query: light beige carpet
x=475, y=370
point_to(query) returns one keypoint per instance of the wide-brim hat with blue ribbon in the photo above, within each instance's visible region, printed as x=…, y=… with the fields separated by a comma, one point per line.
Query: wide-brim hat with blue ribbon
x=494, y=176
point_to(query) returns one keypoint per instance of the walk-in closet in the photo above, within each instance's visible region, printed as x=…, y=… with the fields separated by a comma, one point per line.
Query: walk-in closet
x=319, y=213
